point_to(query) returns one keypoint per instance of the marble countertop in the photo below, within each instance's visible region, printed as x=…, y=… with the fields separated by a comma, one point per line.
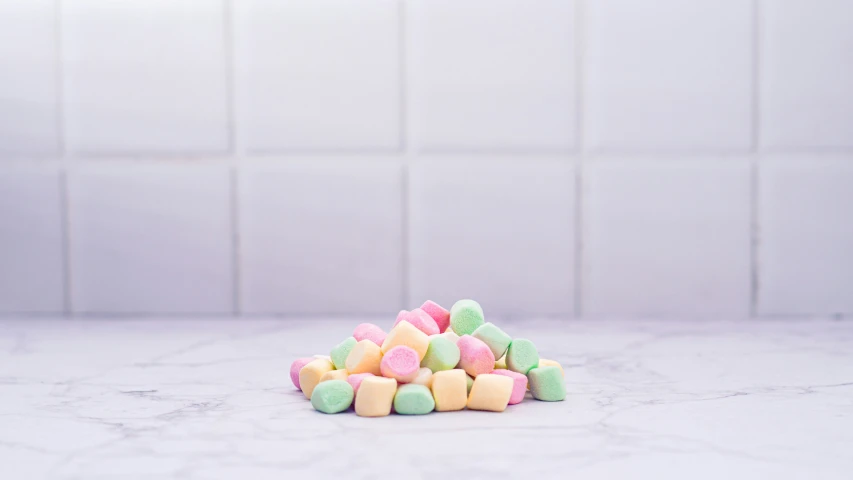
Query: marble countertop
x=209, y=399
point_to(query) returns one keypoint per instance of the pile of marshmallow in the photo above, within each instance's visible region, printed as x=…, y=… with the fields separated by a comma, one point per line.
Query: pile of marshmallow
x=432, y=359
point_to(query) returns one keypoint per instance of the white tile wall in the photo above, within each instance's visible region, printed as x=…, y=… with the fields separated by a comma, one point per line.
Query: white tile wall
x=667, y=237
x=151, y=239
x=321, y=237
x=807, y=73
x=28, y=80
x=492, y=74
x=501, y=232
x=668, y=75
x=806, y=238
x=320, y=74
x=144, y=76
x=31, y=258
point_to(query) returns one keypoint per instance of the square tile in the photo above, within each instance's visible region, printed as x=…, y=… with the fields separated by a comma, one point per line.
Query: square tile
x=318, y=74
x=151, y=239
x=806, y=235
x=492, y=74
x=31, y=242
x=500, y=232
x=806, y=73
x=668, y=75
x=28, y=84
x=321, y=237
x=144, y=76
x=667, y=237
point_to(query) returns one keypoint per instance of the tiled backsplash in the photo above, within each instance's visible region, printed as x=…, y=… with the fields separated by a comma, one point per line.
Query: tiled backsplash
x=548, y=157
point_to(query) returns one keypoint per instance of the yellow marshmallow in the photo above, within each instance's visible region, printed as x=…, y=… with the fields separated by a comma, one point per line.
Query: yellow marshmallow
x=449, y=390
x=334, y=375
x=406, y=334
x=490, y=392
x=424, y=377
x=311, y=374
x=552, y=363
x=364, y=357
x=500, y=364
x=375, y=396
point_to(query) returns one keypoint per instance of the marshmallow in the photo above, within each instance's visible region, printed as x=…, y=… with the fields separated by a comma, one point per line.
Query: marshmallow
x=310, y=374
x=450, y=335
x=420, y=319
x=546, y=383
x=333, y=396
x=552, y=363
x=334, y=375
x=424, y=377
x=442, y=354
x=519, y=385
x=400, y=363
x=341, y=351
x=497, y=340
x=465, y=317
x=438, y=313
x=490, y=392
x=406, y=334
x=413, y=400
x=356, y=379
x=364, y=358
x=500, y=363
x=475, y=357
x=469, y=382
x=296, y=366
x=375, y=395
x=369, y=331
x=522, y=356
x=449, y=390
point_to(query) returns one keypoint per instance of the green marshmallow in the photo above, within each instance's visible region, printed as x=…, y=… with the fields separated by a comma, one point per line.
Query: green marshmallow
x=412, y=399
x=442, y=354
x=341, y=352
x=496, y=339
x=469, y=382
x=547, y=384
x=332, y=396
x=521, y=356
x=465, y=317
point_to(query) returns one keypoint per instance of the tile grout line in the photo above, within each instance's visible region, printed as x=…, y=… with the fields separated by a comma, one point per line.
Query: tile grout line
x=404, y=149
x=754, y=162
x=579, y=161
x=234, y=170
x=64, y=212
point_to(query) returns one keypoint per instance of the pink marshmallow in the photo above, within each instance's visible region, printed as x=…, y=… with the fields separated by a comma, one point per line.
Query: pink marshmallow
x=519, y=384
x=420, y=319
x=438, y=313
x=369, y=331
x=475, y=357
x=356, y=378
x=296, y=366
x=400, y=363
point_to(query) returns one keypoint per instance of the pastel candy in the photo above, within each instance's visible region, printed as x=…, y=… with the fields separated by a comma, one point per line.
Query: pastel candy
x=333, y=396
x=546, y=383
x=406, y=334
x=490, y=392
x=438, y=313
x=450, y=335
x=356, y=379
x=400, y=363
x=497, y=340
x=341, y=351
x=369, y=331
x=449, y=390
x=364, y=358
x=465, y=317
x=521, y=356
x=296, y=366
x=551, y=363
x=413, y=400
x=375, y=396
x=310, y=374
x=475, y=357
x=334, y=375
x=469, y=382
x=420, y=319
x=519, y=385
x=424, y=377
x=500, y=363
x=442, y=354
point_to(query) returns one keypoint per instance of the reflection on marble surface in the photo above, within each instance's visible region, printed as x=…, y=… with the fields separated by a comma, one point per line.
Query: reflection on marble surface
x=166, y=398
